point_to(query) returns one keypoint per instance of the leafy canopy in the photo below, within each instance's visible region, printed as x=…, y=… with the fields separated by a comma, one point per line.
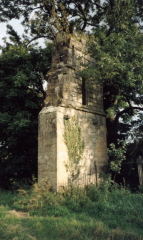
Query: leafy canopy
x=116, y=44
x=22, y=71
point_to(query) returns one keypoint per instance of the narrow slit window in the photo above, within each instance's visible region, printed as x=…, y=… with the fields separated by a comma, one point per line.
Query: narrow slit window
x=84, y=92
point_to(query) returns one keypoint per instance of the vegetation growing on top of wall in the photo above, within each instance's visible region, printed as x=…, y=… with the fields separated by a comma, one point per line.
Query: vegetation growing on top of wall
x=75, y=146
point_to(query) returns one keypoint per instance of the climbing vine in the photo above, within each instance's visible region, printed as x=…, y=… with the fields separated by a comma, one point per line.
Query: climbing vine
x=75, y=146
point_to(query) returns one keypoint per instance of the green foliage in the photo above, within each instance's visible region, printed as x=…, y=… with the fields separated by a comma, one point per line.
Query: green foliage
x=21, y=95
x=116, y=157
x=119, y=67
x=118, y=50
x=75, y=146
x=50, y=18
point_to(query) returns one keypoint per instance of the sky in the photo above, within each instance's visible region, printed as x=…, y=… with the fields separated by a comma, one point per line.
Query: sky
x=17, y=26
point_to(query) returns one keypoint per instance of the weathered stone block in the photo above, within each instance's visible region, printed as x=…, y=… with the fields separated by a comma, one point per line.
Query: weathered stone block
x=68, y=97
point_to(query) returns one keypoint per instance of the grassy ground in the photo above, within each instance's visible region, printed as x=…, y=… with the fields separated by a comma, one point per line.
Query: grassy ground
x=74, y=214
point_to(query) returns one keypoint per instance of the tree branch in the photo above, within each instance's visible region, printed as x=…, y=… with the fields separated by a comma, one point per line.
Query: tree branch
x=126, y=110
x=128, y=101
x=42, y=36
x=99, y=6
x=93, y=25
x=33, y=9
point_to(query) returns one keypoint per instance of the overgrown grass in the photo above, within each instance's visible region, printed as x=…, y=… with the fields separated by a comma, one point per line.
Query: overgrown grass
x=99, y=213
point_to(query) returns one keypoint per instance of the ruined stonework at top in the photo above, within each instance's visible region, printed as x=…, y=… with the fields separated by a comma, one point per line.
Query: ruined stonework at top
x=70, y=96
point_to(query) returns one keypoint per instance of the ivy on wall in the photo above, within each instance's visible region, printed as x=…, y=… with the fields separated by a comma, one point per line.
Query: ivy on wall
x=75, y=146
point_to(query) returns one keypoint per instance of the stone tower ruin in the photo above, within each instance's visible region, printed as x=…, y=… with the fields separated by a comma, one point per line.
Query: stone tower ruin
x=70, y=97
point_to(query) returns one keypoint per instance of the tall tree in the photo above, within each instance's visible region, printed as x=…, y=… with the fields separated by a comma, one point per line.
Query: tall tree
x=118, y=50
x=48, y=18
x=22, y=71
x=117, y=46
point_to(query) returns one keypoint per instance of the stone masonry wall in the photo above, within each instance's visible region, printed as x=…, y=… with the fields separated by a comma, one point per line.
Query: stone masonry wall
x=68, y=95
